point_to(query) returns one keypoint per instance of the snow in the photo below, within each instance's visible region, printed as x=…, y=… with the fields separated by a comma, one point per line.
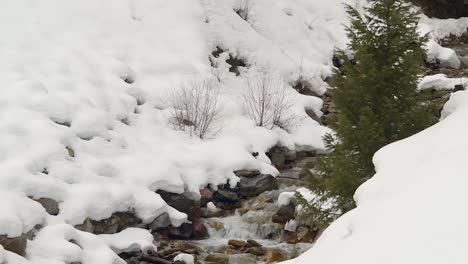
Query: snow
x=409, y=212
x=186, y=258
x=291, y=225
x=84, y=108
x=285, y=198
x=440, y=82
x=445, y=56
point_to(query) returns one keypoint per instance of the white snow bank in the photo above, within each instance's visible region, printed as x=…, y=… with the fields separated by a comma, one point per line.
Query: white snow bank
x=440, y=82
x=447, y=58
x=62, y=244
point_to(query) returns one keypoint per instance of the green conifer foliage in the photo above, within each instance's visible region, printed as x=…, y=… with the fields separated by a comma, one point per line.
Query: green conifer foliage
x=376, y=98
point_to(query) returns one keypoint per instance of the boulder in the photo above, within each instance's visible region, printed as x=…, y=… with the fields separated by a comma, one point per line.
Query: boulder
x=199, y=231
x=160, y=222
x=183, y=232
x=281, y=157
x=50, y=205
x=247, y=173
x=217, y=258
x=284, y=214
x=253, y=243
x=250, y=187
x=226, y=199
x=257, y=251
x=16, y=244
x=206, y=196
x=178, y=201
x=239, y=244
x=275, y=255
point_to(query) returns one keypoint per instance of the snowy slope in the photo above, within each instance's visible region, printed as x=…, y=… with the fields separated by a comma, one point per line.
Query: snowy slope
x=83, y=108
x=411, y=211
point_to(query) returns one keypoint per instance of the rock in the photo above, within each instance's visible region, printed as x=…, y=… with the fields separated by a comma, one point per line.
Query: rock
x=87, y=226
x=257, y=251
x=183, y=232
x=237, y=243
x=206, y=196
x=290, y=237
x=160, y=222
x=250, y=187
x=245, y=258
x=275, y=255
x=284, y=214
x=16, y=244
x=226, y=199
x=281, y=157
x=314, y=116
x=217, y=258
x=50, y=205
x=178, y=201
x=226, y=196
x=114, y=224
x=247, y=173
x=253, y=243
x=199, y=231
x=459, y=87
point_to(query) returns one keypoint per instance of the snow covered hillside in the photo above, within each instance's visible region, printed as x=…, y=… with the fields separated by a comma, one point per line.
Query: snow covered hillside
x=84, y=112
x=85, y=117
x=411, y=210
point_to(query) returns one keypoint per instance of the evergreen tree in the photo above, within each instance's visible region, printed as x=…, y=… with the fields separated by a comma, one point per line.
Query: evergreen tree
x=377, y=101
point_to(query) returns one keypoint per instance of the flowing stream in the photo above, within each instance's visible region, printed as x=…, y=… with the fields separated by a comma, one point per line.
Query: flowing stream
x=253, y=221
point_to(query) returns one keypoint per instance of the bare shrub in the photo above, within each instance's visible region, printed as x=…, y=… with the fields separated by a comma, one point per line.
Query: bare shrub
x=267, y=103
x=196, y=108
x=244, y=9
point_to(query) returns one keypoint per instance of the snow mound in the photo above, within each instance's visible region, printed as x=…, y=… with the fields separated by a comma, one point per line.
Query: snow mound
x=84, y=108
x=440, y=82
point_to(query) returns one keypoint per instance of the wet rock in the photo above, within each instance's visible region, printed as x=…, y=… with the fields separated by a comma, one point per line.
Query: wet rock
x=199, y=231
x=250, y=187
x=290, y=237
x=160, y=222
x=247, y=173
x=253, y=243
x=245, y=258
x=303, y=234
x=217, y=258
x=184, y=231
x=50, y=205
x=226, y=199
x=206, y=196
x=15, y=244
x=239, y=244
x=281, y=157
x=284, y=214
x=275, y=255
x=257, y=251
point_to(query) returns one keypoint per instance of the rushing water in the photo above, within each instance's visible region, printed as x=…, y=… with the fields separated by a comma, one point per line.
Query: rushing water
x=253, y=222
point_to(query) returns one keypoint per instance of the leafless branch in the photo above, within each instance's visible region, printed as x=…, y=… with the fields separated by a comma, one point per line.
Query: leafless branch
x=196, y=108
